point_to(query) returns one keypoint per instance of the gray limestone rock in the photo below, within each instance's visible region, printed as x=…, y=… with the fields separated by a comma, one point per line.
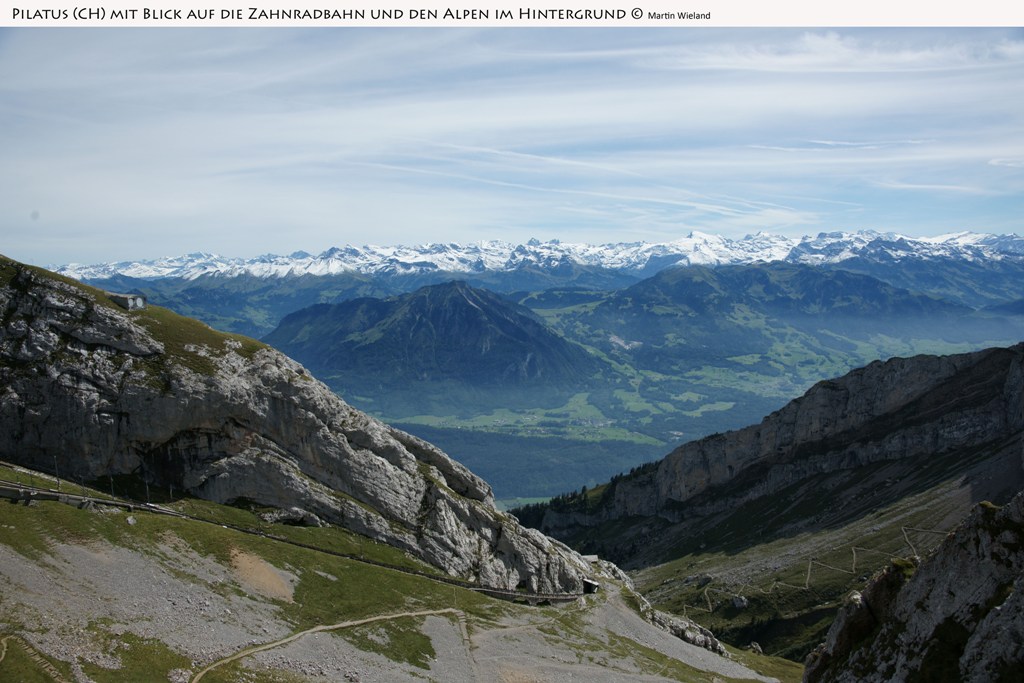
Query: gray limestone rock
x=958, y=616
x=900, y=409
x=97, y=391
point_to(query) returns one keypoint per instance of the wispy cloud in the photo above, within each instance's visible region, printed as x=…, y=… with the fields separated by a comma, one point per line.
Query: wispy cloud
x=248, y=142
x=848, y=52
x=933, y=187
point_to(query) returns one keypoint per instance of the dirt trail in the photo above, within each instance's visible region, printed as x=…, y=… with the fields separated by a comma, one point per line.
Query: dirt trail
x=328, y=627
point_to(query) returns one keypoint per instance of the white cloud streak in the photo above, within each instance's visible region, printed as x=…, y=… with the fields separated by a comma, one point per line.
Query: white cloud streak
x=155, y=142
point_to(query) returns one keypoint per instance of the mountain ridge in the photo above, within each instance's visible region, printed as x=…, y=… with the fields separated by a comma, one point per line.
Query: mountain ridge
x=638, y=257
x=690, y=350
x=441, y=349
x=899, y=409
x=678, y=301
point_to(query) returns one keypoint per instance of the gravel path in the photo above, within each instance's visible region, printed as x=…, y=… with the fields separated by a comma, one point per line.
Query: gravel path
x=316, y=629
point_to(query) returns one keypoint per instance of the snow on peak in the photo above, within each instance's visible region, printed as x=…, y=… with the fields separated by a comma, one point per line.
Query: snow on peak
x=696, y=248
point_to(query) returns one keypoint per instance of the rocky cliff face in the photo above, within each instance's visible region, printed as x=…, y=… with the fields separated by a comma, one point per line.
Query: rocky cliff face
x=902, y=409
x=958, y=617
x=92, y=390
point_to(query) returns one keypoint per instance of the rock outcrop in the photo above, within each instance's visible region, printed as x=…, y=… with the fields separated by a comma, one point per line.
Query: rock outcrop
x=898, y=410
x=958, y=617
x=94, y=391
x=682, y=628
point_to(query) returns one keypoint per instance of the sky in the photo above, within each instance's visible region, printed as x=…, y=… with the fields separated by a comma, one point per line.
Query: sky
x=119, y=144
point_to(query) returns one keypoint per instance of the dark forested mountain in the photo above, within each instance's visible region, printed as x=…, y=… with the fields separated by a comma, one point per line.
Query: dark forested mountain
x=975, y=283
x=687, y=352
x=697, y=313
x=443, y=338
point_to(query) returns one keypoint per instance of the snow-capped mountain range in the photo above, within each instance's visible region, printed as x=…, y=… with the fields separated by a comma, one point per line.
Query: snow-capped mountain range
x=696, y=248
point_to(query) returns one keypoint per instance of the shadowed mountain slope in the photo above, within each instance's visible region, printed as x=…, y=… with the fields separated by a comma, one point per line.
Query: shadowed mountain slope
x=470, y=341
x=696, y=314
x=916, y=413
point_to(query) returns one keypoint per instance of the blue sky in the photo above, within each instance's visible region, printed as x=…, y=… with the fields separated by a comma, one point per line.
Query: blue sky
x=138, y=143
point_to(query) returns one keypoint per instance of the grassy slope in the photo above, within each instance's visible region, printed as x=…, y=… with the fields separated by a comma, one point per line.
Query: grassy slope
x=317, y=599
x=357, y=590
x=793, y=580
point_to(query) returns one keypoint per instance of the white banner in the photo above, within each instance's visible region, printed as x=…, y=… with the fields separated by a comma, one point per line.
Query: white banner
x=526, y=13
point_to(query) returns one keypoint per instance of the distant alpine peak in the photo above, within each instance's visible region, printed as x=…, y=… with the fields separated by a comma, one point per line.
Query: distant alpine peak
x=696, y=248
